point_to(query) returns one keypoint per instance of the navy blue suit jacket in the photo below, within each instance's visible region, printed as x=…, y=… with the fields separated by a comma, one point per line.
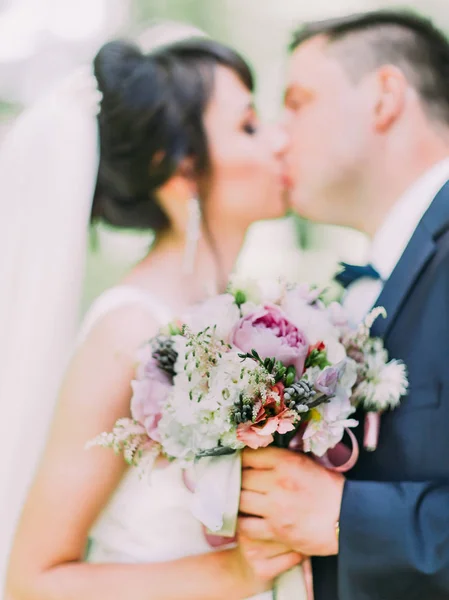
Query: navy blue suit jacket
x=394, y=536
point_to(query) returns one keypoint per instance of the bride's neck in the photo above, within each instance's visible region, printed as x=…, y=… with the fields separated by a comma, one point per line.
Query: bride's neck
x=215, y=259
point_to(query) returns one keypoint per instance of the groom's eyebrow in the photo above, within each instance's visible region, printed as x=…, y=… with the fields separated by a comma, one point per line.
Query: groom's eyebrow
x=288, y=92
x=304, y=93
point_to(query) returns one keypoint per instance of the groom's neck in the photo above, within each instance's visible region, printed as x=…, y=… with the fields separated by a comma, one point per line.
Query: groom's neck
x=397, y=174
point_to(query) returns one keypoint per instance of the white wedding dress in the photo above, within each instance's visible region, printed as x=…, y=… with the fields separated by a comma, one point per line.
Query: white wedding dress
x=145, y=521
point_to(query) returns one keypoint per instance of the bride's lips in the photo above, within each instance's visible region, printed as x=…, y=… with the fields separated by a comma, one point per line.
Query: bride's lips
x=284, y=175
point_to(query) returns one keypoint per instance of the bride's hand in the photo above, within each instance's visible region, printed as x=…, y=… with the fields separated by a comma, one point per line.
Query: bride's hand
x=262, y=561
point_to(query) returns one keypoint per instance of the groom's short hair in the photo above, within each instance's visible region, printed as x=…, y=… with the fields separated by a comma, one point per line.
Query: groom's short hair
x=365, y=41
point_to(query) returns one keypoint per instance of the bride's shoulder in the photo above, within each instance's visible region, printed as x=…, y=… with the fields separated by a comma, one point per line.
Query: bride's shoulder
x=123, y=314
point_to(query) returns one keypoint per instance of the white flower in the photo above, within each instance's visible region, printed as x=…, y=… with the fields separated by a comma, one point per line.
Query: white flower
x=384, y=385
x=249, y=287
x=220, y=312
x=348, y=375
x=338, y=315
x=176, y=439
x=311, y=374
x=196, y=417
x=272, y=290
x=225, y=383
x=335, y=351
x=181, y=348
x=315, y=322
x=258, y=291
x=327, y=425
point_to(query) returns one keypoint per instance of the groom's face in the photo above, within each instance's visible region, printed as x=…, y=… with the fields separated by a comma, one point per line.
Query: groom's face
x=327, y=117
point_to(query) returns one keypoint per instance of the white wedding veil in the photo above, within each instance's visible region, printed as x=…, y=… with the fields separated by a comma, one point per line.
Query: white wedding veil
x=48, y=172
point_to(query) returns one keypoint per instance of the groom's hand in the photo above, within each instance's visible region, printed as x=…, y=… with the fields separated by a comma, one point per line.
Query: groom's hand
x=291, y=500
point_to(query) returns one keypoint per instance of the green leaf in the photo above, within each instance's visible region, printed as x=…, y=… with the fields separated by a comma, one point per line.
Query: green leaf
x=269, y=364
x=174, y=329
x=317, y=359
x=218, y=451
x=256, y=355
x=291, y=376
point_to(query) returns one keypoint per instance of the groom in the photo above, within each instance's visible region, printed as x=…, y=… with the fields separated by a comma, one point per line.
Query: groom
x=367, y=105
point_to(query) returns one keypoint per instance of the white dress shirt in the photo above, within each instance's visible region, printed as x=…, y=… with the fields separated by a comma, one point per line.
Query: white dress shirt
x=393, y=237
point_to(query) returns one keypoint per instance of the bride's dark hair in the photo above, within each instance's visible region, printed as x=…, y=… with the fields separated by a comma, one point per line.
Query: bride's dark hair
x=151, y=118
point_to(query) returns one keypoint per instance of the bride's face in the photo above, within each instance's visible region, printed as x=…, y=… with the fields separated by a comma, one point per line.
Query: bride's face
x=247, y=181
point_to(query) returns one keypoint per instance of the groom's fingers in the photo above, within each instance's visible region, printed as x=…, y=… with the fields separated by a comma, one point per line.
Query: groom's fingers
x=263, y=458
x=255, y=528
x=253, y=503
x=256, y=480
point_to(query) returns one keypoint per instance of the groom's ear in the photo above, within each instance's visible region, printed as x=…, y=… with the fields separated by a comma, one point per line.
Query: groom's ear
x=392, y=89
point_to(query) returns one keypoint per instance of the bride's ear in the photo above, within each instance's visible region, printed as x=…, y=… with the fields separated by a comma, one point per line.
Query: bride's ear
x=182, y=185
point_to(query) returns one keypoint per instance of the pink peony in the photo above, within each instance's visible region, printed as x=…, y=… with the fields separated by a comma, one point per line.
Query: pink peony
x=272, y=335
x=149, y=395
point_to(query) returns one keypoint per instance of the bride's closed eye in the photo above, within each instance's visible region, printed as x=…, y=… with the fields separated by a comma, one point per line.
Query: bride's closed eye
x=250, y=122
x=250, y=128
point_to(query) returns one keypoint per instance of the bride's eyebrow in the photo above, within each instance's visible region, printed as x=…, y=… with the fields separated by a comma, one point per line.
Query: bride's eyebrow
x=250, y=108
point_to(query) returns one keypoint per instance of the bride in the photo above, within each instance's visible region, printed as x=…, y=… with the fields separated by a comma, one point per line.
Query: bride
x=183, y=153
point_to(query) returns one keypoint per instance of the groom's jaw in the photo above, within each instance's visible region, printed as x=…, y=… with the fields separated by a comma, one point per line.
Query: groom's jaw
x=359, y=110
x=321, y=112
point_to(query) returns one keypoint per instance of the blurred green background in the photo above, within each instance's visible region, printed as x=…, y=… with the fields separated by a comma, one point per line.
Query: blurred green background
x=41, y=41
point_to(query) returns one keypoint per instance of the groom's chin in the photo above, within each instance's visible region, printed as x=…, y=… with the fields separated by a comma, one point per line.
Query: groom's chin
x=314, y=209
x=302, y=207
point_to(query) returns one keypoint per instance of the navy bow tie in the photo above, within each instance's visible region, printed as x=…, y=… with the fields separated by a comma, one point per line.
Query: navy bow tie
x=351, y=273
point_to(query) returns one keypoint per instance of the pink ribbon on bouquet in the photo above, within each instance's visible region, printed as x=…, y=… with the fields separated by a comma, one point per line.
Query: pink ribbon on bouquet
x=371, y=430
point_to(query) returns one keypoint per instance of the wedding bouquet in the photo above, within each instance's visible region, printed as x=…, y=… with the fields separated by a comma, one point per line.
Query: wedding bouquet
x=266, y=363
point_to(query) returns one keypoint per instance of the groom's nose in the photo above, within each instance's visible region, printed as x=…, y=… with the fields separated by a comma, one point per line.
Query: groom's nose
x=281, y=139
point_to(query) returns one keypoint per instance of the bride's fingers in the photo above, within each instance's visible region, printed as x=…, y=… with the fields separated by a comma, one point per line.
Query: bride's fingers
x=269, y=568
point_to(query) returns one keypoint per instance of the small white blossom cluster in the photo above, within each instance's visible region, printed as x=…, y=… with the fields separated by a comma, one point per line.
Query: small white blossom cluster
x=380, y=383
x=204, y=421
x=129, y=438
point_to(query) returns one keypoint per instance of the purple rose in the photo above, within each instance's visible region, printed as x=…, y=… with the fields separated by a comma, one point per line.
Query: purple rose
x=149, y=394
x=272, y=335
x=327, y=380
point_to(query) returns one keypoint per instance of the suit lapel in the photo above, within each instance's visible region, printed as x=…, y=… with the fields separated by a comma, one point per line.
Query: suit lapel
x=413, y=261
x=419, y=251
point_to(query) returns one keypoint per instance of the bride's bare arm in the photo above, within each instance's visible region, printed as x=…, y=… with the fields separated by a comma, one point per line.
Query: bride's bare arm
x=73, y=485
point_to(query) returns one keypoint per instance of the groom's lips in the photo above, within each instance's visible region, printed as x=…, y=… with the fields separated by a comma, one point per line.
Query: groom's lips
x=287, y=181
